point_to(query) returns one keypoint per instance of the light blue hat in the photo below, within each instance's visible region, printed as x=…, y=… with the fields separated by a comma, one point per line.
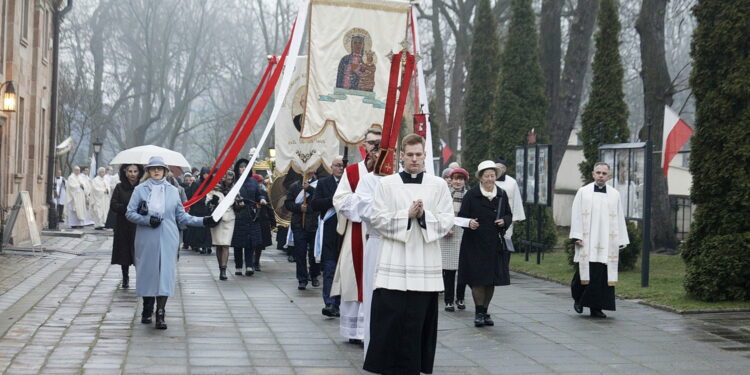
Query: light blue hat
x=156, y=161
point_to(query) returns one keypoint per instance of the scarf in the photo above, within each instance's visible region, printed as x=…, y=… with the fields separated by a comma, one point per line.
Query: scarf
x=156, y=197
x=458, y=197
x=489, y=195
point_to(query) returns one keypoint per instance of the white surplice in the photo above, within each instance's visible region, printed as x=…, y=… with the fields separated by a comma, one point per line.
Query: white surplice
x=410, y=257
x=515, y=201
x=599, y=220
x=100, y=196
x=361, y=202
x=351, y=321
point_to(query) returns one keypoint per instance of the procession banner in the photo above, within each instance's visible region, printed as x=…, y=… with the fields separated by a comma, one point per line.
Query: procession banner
x=291, y=151
x=349, y=43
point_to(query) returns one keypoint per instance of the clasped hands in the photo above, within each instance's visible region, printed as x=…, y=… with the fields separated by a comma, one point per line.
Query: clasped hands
x=416, y=209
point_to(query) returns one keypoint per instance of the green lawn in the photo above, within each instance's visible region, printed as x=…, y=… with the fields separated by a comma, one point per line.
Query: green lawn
x=667, y=273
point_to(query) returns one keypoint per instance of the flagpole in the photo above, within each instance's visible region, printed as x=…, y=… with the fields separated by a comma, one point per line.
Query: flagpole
x=647, y=181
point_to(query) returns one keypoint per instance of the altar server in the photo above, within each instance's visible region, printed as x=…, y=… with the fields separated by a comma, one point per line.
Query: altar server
x=412, y=211
x=100, y=196
x=598, y=229
x=76, y=203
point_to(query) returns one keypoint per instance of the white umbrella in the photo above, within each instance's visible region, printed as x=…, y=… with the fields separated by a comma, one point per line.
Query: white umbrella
x=141, y=154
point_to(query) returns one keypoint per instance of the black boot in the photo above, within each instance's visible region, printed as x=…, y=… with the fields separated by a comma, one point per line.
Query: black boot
x=161, y=302
x=125, y=277
x=222, y=273
x=257, y=260
x=148, y=310
x=479, y=317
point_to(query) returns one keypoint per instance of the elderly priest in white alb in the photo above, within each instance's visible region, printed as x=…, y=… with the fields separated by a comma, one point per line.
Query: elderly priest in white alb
x=412, y=211
x=598, y=230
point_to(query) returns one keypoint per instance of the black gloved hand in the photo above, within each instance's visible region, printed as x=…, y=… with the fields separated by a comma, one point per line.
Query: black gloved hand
x=154, y=221
x=142, y=208
x=209, y=222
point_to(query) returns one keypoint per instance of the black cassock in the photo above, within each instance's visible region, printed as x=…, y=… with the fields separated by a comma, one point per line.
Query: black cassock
x=597, y=294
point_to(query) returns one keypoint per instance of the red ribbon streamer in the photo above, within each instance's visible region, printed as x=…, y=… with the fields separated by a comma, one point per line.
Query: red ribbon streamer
x=247, y=128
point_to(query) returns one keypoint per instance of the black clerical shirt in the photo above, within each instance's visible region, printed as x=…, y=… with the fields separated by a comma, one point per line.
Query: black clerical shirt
x=602, y=189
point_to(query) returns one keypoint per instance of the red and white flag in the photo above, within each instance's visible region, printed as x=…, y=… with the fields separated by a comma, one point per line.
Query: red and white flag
x=446, y=151
x=676, y=133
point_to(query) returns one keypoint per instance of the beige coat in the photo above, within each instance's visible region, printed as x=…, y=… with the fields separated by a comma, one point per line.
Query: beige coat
x=221, y=235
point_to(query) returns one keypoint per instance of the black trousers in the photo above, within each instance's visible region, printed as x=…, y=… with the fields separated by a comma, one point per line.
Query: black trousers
x=403, y=332
x=597, y=294
x=453, y=292
x=303, y=253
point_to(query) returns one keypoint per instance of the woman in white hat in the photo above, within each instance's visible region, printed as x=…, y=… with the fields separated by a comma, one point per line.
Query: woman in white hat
x=483, y=260
x=156, y=209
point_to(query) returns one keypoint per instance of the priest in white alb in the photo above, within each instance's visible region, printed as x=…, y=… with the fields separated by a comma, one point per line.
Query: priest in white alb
x=515, y=200
x=347, y=282
x=598, y=230
x=100, y=196
x=412, y=211
x=76, y=199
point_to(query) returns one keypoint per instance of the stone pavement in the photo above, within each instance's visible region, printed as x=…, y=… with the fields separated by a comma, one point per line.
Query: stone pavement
x=64, y=314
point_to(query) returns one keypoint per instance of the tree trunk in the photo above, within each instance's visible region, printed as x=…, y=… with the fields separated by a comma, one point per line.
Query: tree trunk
x=438, y=117
x=566, y=105
x=657, y=91
x=550, y=51
x=458, y=75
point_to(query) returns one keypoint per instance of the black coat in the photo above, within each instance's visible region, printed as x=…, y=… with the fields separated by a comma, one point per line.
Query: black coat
x=311, y=217
x=197, y=237
x=322, y=200
x=484, y=259
x=247, y=231
x=123, y=243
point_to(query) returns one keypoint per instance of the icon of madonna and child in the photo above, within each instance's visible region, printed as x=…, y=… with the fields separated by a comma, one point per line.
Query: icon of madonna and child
x=356, y=70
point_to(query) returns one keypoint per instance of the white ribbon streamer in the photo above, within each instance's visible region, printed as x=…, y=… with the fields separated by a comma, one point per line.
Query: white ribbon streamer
x=289, y=64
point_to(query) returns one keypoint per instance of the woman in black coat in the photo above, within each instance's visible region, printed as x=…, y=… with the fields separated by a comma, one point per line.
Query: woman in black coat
x=247, y=236
x=483, y=261
x=199, y=239
x=123, y=250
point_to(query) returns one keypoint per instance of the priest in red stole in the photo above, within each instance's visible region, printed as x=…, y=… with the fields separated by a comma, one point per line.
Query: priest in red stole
x=348, y=280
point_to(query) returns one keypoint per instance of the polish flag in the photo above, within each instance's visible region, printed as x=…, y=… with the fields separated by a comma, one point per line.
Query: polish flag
x=676, y=133
x=447, y=152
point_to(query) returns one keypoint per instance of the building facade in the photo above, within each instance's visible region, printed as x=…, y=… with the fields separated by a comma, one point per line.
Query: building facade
x=26, y=60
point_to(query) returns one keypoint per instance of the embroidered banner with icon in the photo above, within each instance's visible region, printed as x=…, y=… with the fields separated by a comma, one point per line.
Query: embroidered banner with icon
x=291, y=151
x=349, y=44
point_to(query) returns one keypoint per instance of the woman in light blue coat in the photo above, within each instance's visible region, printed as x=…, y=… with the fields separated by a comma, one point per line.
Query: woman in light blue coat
x=156, y=209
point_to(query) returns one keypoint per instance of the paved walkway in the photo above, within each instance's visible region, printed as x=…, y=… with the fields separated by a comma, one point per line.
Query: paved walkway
x=64, y=314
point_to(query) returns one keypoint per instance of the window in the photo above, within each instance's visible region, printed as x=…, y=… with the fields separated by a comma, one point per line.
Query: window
x=45, y=35
x=25, y=21
x=20, y=154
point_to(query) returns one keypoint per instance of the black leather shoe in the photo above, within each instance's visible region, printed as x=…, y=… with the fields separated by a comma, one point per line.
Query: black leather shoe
x=460, y=305
x=315, y=283
x=249, y=271
x=302, y=285
x=578, y=307
x=290, y=259
x=202, y=251
x=596, y=313
x=336, y=312
x=329, y=311
x=208, y=251
x=238, y=271
x=478, y=320
x=357, y=342
x=160, y=324
x=488, y=321
x=125, y=282
x=449, y=307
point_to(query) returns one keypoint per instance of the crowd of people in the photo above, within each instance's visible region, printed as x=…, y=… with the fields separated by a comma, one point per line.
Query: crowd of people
x=385, y=246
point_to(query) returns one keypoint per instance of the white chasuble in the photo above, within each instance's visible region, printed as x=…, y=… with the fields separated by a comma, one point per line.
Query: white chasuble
x=410, y=257
x=598, y=219
x=515, y=201
x=348, y=213
x=292, y=151
x=100, y=194
x=349, y=69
